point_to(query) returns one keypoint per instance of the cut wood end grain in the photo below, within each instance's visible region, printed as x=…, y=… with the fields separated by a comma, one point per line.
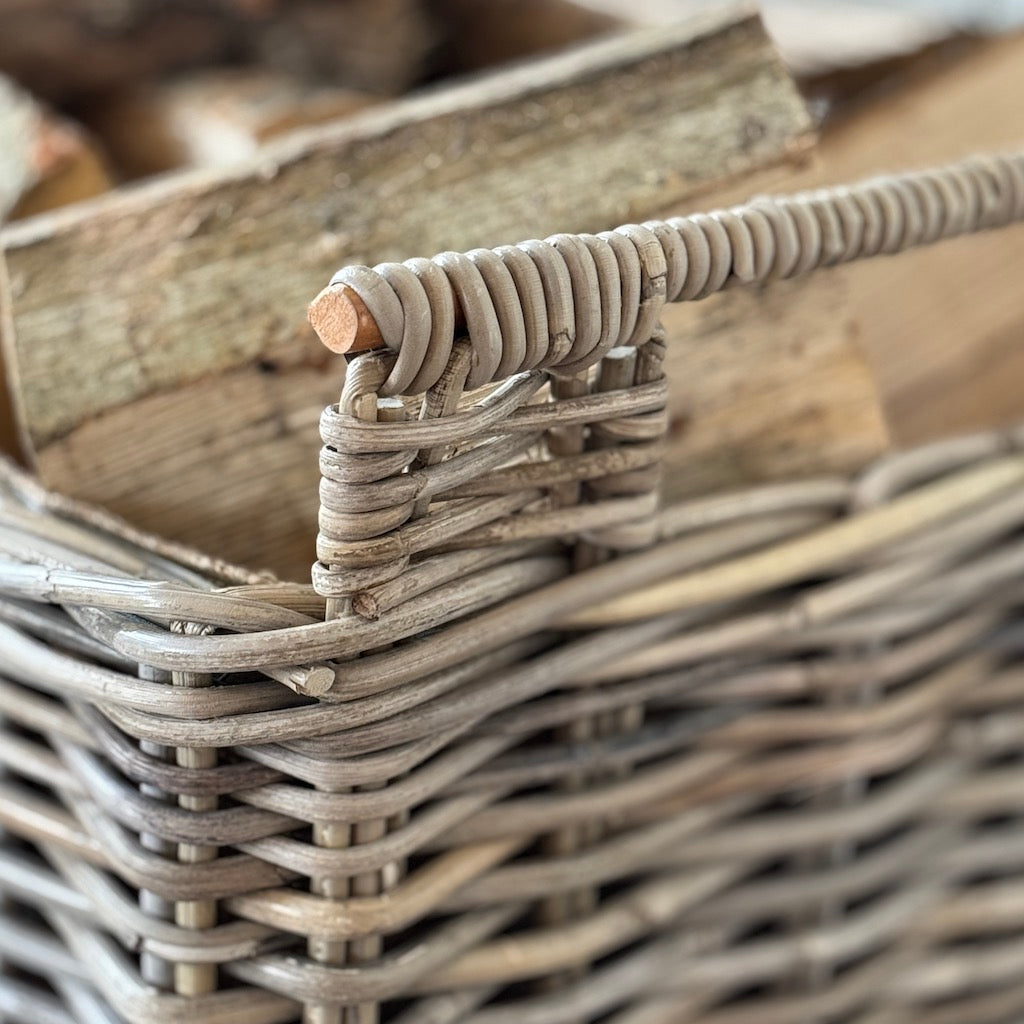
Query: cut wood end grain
x=342, y=321
x=344, y=324
x=674, y=103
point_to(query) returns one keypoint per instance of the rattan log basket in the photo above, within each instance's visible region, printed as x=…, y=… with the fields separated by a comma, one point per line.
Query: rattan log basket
x=533, y=748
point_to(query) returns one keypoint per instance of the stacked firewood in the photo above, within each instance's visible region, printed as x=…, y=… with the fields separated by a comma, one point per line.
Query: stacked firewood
x=181, y=307
x=97, y=92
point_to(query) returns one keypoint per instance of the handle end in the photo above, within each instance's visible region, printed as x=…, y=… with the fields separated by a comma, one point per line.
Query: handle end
x=342, y=321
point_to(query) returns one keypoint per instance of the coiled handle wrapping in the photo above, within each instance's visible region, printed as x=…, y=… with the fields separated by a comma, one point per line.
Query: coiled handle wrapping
x=564, y=302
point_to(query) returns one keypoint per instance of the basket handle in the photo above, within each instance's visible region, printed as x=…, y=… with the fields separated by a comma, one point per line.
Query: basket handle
x=564, y=302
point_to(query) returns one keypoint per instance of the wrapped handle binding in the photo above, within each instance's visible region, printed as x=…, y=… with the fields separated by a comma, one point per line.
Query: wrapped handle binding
x=563, y=303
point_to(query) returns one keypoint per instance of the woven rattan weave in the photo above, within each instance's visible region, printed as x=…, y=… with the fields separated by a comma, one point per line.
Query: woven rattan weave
x=532, y=748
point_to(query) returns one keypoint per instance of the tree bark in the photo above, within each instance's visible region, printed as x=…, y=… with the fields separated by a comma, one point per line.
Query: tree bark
x=164, y=367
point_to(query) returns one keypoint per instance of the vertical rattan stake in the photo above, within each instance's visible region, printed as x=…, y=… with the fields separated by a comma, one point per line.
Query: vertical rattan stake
x=362, y=403
x=369, y=948
x=567, y=441
x=195, y=979
x=156, y=970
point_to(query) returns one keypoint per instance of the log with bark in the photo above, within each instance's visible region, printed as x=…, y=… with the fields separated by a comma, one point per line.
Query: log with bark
x=64, y=49
x=214, y=118
x=46, y=161
x=163, y=362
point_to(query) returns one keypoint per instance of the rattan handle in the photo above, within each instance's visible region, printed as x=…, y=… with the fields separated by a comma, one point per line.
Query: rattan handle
x=566, y=301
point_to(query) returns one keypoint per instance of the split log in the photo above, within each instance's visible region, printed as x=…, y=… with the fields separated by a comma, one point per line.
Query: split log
x=214, y=118
x=379, y=46
x=64, y=49
x=485, y=33
x=940, y=328
x=163, y=363
x=769, y=384
x=45, y=161
x=943, y=334
x=814, y=36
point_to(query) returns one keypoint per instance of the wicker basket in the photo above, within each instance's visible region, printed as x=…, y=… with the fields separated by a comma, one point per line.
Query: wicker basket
x=532, y=749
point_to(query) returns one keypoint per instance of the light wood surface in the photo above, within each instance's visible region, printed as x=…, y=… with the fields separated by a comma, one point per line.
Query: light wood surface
x=940, y=328
x=769, y=384
x=159, y=343
x=943, y=330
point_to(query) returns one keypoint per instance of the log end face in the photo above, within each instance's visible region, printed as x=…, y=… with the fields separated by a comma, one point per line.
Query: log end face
x=335, y=318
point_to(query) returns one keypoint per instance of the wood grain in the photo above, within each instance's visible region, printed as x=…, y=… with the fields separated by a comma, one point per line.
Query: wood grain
x=942, y=330
x=940, y=327
x=185, y=294
x=769, y=384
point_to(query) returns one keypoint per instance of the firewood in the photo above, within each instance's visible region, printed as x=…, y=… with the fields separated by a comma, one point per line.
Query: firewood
x=65, y=49
x=380, y=46
x=813, y=36
x=45, y=161
x=214, y=118
x=163, y=363
x=483, y=33
x=942, y=332
x=939, y=328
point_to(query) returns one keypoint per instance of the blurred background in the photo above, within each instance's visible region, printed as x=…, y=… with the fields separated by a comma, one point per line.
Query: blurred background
x=179, y=179
x=96, y=93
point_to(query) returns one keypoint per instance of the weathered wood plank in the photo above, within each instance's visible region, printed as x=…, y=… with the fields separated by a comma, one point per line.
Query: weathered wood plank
x=941, y=328
x=198, y=280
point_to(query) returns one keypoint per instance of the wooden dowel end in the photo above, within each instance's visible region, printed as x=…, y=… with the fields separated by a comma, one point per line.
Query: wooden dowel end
x=342, y=321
